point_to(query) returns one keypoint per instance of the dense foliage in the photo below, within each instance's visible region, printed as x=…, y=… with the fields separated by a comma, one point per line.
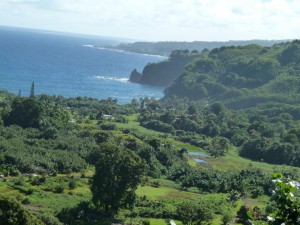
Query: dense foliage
x=34, y=113
x=194, y=213
x=287, y=201
x=13, y=213
x=216, y=128
x=241, y=76
x=118, y=173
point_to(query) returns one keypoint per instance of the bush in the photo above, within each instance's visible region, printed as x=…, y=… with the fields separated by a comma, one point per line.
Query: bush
x=72, y=184
x=30, y=191
x=26, y=201
x=194, y=212
x=121, y=119
x=38, y=181
x=48, y=219
x=159, y=126
x=13, y=213
x=20, y=181
x=14, y=172
x=180, y=133
x=108, y=126
x=59, y=188
x=145, y=222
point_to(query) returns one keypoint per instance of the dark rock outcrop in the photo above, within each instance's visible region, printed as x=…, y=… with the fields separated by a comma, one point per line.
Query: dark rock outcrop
x=135, y=76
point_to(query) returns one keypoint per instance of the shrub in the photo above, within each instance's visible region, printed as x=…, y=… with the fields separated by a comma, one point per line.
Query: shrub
x=13, y=213
x=30, y=191
x=159, y=126
x=72, y=184
x=145, y=222
x=108, y=126
x=26, y=201
x=38, y=181
x=20, y=181
x=59, y=188
x=48, y=219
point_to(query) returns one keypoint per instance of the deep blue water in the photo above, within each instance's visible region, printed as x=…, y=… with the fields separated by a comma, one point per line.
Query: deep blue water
x=62, y=64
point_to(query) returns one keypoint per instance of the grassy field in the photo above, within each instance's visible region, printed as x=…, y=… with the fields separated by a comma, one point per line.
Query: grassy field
x=232, y=161
x=165, y=193
x=163, y=222
x=43, y=196
x=135, y=125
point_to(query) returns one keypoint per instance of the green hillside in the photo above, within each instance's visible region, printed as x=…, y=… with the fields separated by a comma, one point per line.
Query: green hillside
x=243, y=76
x=66, y=163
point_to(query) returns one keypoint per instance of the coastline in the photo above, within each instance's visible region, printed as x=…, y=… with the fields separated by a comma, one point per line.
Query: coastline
x=121, y=50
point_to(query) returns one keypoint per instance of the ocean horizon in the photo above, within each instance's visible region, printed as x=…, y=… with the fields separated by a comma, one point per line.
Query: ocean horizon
x=69, y=65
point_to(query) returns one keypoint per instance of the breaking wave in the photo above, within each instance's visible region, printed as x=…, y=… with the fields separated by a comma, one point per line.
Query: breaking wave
x=90, y=46
x=119, y=79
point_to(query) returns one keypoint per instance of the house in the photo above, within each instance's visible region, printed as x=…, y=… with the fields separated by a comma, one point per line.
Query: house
x=108, y=117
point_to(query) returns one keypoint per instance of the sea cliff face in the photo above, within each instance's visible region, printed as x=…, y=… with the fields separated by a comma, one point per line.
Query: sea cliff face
x=135, y=76
x=165, y=72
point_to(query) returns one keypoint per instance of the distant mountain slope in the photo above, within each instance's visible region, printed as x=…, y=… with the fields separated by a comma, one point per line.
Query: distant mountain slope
x=165, y=48
x=242, y=76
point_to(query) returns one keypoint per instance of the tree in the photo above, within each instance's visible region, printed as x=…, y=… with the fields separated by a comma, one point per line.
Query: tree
x=220, y=146
x=118, y=173
x=191, y=213
x=13, y=213
x=36, y=113
x=32, y=90
x=287, y=201
x=192, y=109
x=216, y=108
x=25, y=112
x=226, y=217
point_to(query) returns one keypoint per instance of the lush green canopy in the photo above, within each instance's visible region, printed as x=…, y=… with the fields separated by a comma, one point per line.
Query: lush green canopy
x=118, y=173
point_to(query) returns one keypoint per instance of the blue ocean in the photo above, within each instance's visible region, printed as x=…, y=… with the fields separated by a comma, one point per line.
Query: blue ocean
x=68, y=65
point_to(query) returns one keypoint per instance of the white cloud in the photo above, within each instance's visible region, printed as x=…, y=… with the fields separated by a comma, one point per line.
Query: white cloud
x=19, y=1
x=159, y=19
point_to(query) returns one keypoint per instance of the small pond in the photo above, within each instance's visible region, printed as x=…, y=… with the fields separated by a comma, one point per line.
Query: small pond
x=199, y=160
x=201, y=154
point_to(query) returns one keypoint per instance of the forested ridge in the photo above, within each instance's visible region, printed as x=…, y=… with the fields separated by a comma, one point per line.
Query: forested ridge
x=227, y=71
x=205, y=153
x=166, y=47
x=246, y=73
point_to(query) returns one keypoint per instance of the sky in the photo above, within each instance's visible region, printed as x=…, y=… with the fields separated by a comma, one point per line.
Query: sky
x=159, y=20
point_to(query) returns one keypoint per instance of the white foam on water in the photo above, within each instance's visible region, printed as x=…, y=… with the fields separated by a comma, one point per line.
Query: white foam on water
x=90, y=46
x=119, y=79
